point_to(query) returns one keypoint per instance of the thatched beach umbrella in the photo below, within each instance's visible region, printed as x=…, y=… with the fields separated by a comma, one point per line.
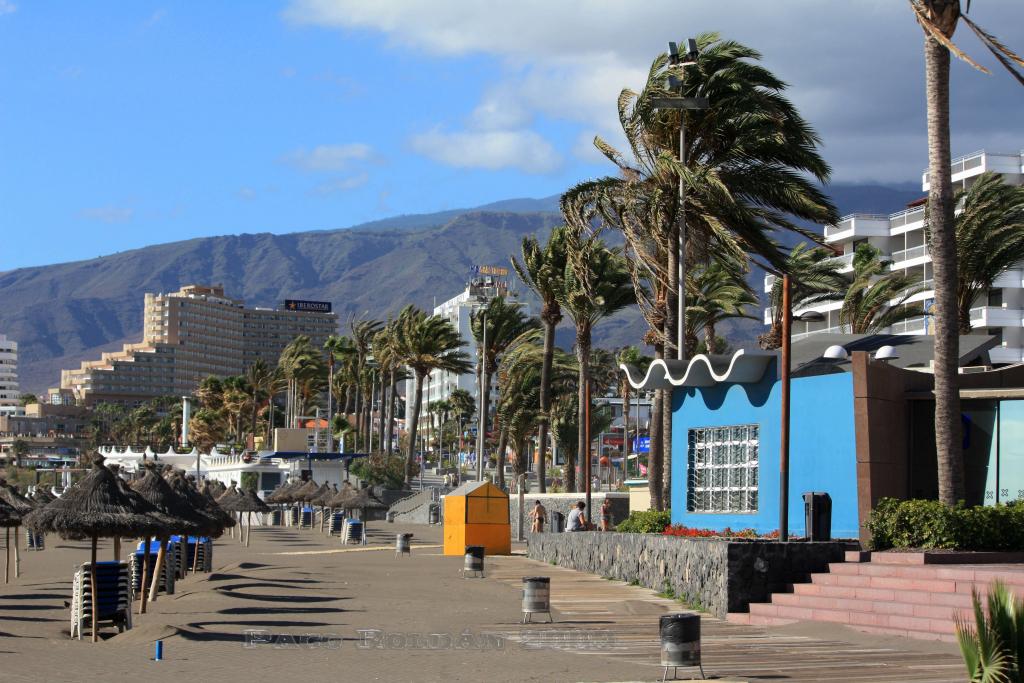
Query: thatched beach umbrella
x=9, y=517
x=96, y=506
x=229, y=494
x=323, y=499
x=183, y=518
x=247, y=503
x=314, y=500
x=12, y=497
x=217, y=519
x=344, y=496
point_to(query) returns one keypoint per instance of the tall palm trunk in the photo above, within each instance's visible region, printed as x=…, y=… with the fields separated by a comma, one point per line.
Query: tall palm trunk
x=654, y=456
x=583, y=445
x=545, y=403
x=380, y=416
x=671, y=347
x=414, y=419
x=666, y=448
x=625, y=427
x=392, y=398
x=948, y=445
x=500, y=458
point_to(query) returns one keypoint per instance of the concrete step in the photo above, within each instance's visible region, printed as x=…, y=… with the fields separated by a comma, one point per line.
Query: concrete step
x=929, y=583
x=907, y=609
x=1009, y=574
x=855, y=618
x=960, y=600
x=857, y=555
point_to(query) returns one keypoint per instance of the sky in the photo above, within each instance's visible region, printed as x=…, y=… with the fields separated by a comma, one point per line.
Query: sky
x=128, y=124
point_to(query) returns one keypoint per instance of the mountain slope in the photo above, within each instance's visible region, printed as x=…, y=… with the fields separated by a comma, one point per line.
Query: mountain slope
x=64, y=313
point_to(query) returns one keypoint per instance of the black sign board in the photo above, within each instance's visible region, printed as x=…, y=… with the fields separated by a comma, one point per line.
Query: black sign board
x=314, y=306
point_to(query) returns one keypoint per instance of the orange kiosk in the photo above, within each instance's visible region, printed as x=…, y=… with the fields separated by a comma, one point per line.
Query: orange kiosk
x=476, y=513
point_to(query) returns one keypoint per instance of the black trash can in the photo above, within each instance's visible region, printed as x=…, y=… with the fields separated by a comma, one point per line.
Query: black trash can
x=818, y=515
x=557, y=521
x=680, y=641
x=434, y=514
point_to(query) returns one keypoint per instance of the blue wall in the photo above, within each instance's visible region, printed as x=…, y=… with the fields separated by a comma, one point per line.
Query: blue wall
x=822, y=451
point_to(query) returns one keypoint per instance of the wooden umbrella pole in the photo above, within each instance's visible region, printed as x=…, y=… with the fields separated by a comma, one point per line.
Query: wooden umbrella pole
x=154, y=586
x=248, y=527
x=195, y=555
x=145, y=572
x=117, y=548
x=95, y=597
x=7, y=551
x=17, y=557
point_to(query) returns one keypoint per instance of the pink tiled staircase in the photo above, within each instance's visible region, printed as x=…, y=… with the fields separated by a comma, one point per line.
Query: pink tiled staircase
x=887, y=593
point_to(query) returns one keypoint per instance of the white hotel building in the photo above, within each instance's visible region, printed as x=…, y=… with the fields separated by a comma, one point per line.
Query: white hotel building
x=458, y=311
x=10, y=397
x=901, y=238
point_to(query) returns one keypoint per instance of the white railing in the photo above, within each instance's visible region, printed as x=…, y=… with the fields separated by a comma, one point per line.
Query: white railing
x=911, y=253
x=910, y=325
x=846, y=222
x=964, y=163
x=906, y=217
x=844, y=260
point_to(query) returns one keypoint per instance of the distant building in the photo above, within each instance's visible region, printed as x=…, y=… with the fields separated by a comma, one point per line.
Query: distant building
x=458, y=311
x=10, y=397
x=902, y=240
x=191, y=334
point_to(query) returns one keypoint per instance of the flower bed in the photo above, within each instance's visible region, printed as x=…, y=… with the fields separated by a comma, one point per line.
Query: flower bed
x=683, y=531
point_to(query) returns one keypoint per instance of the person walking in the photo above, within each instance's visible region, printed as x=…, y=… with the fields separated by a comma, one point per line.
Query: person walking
x=538, y=515
x=606, y=515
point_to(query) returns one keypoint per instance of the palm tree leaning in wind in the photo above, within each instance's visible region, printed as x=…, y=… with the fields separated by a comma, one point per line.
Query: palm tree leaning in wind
x=989, y=239
x=543, y=271
x=715, y=293
x=263, y=383
x=752, y=163
x=814, y=277
x=424, y=344
x=939, y=19
x=363, y=331
x=505, y=324
x=597, y=284
x=877, y=297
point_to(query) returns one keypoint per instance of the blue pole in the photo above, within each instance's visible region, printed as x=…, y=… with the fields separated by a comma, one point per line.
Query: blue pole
x=159, y=654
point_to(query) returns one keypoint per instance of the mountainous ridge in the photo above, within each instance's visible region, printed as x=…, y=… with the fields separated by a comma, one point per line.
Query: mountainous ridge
x=63, y=313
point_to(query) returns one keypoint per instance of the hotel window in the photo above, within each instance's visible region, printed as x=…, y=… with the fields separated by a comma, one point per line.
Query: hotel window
x=722, y=467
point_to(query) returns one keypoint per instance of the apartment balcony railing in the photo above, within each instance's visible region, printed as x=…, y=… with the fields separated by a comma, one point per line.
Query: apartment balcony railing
x=911, y=326
x=902, y=218
x=849, y=222
x=996, y=316
x=964, y=163
x=911, y=253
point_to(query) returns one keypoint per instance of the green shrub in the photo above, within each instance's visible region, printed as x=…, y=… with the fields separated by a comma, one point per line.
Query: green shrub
x=383, y=470
x=645, y=522
x=928, y=524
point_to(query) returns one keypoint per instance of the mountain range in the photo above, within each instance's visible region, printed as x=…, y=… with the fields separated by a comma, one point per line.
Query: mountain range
x=64, y=313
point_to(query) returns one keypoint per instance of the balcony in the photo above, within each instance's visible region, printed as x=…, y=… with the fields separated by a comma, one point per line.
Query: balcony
x=1011, y=279
x=901, y=219
x=1005, y=354
x=917, y=325
x=909, y=254
x=996, y=316
x=978, y=162
x=858, y=225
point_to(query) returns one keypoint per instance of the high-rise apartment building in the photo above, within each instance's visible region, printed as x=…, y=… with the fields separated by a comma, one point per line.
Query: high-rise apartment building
x=458, y=311
x=10, y=397
x=901, y=239
x=191, y=334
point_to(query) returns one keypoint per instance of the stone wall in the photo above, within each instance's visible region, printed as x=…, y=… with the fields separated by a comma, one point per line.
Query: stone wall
x=715, y=575
x=564, y=502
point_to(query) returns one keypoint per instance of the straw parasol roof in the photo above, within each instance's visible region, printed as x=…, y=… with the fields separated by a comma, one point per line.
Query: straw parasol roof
x=10, y=495
x=345, y=495
x=155, y=490
x=304, y=494
x=229, y=494
x=213, y=507
x=97, y=506
x=318, y=497
x=247, y=502
x=213, y=517
x=364, y=500
x=327, y=496
x=8, y=515
x=278, y=494
x=43, y=496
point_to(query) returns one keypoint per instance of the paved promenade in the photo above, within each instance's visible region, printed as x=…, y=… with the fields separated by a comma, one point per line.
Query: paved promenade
x=315, y=610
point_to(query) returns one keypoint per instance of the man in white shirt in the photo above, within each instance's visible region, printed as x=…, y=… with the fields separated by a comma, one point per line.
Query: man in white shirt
x=577, y=521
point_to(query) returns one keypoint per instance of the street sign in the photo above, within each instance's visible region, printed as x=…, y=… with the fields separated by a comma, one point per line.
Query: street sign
x=313, y=306
x=642, y=444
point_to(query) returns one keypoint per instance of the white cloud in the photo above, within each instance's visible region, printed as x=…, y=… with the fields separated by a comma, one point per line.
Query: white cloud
x=108, y=214
x=489, y=149
x=328, y=157
x=855, y=68
x=341, y=185
x=247, y=193
x=7, y=7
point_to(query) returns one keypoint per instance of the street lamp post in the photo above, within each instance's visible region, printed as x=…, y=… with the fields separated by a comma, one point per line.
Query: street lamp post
x=330, y=402
x=784, y=380
x=482, y=422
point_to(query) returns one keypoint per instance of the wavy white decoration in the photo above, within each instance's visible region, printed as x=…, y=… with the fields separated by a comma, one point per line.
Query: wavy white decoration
x=701, y=371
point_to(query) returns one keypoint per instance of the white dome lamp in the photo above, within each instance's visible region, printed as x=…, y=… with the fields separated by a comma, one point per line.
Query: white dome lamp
x=836, y=352
x=886, y=353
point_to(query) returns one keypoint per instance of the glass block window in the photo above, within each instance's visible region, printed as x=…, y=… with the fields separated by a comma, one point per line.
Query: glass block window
x=722, y=469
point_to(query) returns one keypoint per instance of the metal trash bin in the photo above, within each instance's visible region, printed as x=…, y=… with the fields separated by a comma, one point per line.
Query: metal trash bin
x=434, y=514
x=536, y=597
x=557, y=521
x=474, y=561
x=818, y=515
x=680, y=642
x=402, y=546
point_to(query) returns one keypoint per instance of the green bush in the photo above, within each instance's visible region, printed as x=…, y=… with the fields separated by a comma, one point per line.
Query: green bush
x=645, y=522
x=928, y=524
x=379, y=469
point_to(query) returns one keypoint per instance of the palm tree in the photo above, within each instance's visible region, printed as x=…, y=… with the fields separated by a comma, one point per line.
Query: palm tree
x=363, y=332
x=426, y=343
x=752, y=163
x=463, y=408
x=814, y=277
x=989, y=239
x=302, y=366
x=263, y=383
x=877, y=297
x=939, y=20
x=628, y=355
x=543, y=271
x=207, y=428
x=505, y=323
x=715, y=293
x=597, y=284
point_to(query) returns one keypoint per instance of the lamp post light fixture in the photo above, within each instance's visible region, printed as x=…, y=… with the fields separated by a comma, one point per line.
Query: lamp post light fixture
x=784, y=372
x=680, y=61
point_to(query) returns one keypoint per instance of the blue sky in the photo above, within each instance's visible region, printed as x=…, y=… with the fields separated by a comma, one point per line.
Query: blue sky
x=126, y=124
